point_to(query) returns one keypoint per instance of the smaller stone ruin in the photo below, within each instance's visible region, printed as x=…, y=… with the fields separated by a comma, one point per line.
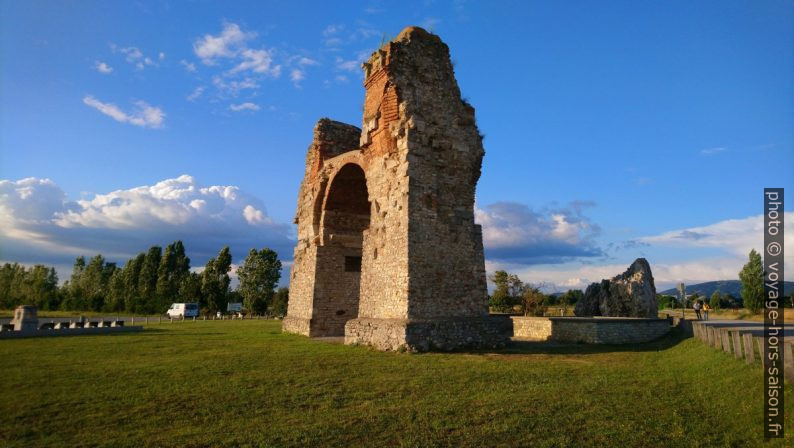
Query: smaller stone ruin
x=630, y=294
x=25, y=318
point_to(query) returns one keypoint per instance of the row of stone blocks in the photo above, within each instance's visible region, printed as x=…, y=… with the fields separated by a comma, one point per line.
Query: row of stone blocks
x=67, y=331
x=742, y=338
x=26, y=324
x=62, y=325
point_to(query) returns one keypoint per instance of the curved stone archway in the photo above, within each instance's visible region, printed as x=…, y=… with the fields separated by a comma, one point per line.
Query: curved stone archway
x=345, y=215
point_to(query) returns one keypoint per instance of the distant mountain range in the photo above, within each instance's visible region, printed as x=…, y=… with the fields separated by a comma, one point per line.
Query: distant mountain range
x=732, y=287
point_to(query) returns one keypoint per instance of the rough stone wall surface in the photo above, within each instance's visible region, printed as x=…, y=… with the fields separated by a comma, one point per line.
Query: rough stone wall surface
x=630, y=294
x=25, y=318
x=596, y=330
x=421, y=252
x=331, y=139
x=532, y=328
x=431, y=334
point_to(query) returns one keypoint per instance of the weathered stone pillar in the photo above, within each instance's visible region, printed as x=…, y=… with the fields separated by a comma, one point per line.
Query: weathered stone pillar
x=25, y=318
x=403, y=265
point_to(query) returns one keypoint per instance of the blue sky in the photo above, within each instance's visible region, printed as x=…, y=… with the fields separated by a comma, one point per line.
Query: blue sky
x=613, y=129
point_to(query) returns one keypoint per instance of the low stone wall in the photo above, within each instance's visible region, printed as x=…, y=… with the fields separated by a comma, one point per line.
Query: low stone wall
x=532, y=328
x=423, y=335
x=590, y=330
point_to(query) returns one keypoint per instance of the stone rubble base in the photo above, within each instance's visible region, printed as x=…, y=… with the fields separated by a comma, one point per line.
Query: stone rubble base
x=442, y=334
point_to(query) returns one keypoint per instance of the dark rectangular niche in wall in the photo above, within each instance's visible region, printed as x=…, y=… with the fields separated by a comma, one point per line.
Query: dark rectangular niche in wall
x=352, y=264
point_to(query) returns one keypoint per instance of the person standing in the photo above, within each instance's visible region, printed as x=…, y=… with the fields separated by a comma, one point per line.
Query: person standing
x=706, y=309
x=697, y=308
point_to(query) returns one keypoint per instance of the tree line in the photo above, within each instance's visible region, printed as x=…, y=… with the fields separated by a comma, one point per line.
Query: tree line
x=148, y=283
x=511, y=294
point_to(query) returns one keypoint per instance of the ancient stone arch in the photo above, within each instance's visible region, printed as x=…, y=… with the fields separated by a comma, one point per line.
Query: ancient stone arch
x=388, y=253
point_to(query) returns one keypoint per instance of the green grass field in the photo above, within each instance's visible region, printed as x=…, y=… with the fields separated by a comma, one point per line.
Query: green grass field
x=243, y=383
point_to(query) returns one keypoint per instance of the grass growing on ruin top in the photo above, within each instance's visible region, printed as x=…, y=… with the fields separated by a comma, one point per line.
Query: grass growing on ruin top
x=243, y=383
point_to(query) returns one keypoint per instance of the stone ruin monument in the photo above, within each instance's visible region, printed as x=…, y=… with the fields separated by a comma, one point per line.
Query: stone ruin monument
x=388, y=253
x=630, y=294
x=25, y=318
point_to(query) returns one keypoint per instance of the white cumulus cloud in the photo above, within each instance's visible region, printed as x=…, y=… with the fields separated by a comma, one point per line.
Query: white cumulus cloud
x=135, y=56
x=244, y=107
x=103, y=68
x=296, y=75
x=197, y=92
x=143, y=115
x=724, y=246
x=350, y=65
x=38, y=223
x=239, y=63
x=303, y=61
x=189, y=66
x=227, y=44
x=257, y=61
x=733, y=236
x=712, y=151
x=513, y=231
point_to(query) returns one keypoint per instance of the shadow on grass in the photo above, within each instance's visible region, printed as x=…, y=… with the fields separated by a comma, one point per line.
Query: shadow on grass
x=161, y=332
x=517, y=347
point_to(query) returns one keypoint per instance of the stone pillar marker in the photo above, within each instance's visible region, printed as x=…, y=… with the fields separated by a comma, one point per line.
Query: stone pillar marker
x=388, y=253
x=25, y=318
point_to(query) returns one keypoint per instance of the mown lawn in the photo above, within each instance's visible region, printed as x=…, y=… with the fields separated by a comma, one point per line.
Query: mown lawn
x=243, y=383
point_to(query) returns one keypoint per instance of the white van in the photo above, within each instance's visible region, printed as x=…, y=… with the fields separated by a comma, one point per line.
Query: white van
x=183, y=310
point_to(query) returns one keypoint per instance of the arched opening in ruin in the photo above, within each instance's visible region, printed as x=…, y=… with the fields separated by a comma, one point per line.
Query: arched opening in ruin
x=345, y=217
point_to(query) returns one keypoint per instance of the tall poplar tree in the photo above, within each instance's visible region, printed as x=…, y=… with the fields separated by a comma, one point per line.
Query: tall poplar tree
x=147, y=280
x=752, y=277
x=215, y=280
x=174, y=268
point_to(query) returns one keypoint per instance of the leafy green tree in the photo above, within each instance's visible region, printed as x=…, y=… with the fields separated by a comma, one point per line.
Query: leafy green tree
x=532, y=300
x=174, y=267
x=190, y=290
x=116, y=293
x=259, y=274
x=74, y=287
x=279, y=305
x=11, y=278
x=508, y=290
x=500, y=280
x=572, y=296
x=131, y=277
x=752, y=277
x=37, y=286
x=690, y=301
x=94, y=283
x=499, y=301
x=147, y=281
x=42, y=287
x=716, y=301
x=665, y=301
x=215, y=280
x=727, y=300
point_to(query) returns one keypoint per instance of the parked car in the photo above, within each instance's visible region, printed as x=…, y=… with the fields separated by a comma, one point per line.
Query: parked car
x=183, y=310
